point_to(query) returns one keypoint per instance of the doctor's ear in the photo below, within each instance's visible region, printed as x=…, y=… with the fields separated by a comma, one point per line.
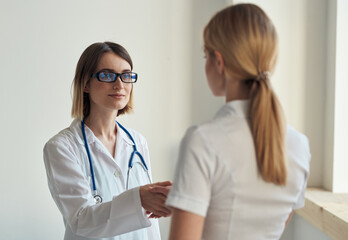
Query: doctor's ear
x=219, y=62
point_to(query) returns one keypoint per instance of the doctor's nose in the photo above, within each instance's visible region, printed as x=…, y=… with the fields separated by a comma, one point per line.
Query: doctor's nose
x=118, y=83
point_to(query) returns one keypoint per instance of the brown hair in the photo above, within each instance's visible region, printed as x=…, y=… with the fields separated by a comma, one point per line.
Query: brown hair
x=247, y=41
x=86, y=66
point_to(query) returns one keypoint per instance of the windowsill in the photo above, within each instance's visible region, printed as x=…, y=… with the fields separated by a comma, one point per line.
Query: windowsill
x=327, y=211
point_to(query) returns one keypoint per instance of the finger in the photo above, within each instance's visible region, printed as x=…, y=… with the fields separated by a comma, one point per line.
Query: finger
x=166, y=183
x=166, y=211
x=160, y=214
x=159, y=198
x=154, y=216
x=160, y=210
x=158, y=189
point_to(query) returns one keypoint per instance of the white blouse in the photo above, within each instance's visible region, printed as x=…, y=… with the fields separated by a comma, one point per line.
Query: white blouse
x=121, y=215
x=217, y=177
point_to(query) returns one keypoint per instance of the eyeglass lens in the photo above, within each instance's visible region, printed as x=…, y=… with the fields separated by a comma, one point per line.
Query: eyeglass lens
x=111, y=77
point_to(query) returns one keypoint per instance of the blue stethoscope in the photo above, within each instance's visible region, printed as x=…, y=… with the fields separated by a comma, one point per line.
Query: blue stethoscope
x=97, y=197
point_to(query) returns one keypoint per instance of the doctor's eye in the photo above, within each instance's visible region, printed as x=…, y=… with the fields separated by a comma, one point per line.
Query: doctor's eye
x=107, y=76
x=126, y=76
x=129, y=77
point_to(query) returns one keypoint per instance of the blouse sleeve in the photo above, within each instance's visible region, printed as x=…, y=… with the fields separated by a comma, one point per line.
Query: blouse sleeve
x=72, y=194
x=191, y=188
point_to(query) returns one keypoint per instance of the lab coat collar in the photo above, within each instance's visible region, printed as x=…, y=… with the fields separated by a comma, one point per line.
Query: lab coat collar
x=238, y=108
x=123, y=135
x=76, y=128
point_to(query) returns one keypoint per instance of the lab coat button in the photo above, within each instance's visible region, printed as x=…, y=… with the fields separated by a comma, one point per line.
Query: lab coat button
x=116, y=173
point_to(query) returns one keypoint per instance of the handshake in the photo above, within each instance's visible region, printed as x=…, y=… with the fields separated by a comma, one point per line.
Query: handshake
x=153, y=198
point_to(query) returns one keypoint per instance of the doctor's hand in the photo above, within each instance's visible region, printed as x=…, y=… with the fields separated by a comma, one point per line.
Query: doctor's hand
x=154, y=202
x=163, y=187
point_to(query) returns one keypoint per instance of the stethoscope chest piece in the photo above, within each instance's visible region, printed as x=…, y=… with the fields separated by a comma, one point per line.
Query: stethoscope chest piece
x=98, y=199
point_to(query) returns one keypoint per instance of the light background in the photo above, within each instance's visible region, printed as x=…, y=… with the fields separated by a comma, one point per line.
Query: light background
x=42, y=40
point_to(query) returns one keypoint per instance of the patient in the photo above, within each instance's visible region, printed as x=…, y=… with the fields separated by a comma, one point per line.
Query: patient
x=242, y=174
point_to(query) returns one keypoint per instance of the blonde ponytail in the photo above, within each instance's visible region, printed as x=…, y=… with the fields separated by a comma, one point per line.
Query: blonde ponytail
x=268, y=130
x=247, y=40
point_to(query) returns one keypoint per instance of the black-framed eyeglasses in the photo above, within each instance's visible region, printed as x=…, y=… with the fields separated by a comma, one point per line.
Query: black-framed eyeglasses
x=105, y=76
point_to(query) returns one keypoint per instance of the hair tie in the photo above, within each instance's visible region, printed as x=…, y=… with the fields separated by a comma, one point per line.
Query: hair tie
x=265, y=75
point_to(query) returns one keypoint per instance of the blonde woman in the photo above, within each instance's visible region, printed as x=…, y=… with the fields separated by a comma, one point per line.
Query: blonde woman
x=99, y=171
x=240, y=175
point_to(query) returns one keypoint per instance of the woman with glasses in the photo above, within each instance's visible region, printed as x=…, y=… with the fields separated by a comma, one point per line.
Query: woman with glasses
x=240, y=175
x=99, y=171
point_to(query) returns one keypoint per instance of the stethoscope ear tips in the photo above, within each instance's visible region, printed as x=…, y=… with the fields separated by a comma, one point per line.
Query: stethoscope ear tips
x=98, y=199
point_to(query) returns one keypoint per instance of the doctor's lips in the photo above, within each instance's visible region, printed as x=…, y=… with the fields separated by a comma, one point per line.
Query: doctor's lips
x=117, y=95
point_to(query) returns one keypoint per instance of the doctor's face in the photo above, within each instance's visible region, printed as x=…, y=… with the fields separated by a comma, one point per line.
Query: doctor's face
x=112, y=96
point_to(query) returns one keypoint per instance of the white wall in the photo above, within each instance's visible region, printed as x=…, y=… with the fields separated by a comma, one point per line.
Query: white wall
x=336, y=179
x=41, y=41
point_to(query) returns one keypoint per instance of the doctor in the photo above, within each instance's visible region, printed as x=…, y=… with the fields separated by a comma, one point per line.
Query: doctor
x=99, y=171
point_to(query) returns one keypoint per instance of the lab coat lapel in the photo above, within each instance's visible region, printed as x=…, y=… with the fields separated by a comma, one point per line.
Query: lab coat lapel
x=123, y=151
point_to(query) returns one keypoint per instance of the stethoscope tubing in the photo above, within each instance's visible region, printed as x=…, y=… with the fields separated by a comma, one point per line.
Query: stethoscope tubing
x=88, y=155
x=135, y=150
x=147, y=173
x=97, y=197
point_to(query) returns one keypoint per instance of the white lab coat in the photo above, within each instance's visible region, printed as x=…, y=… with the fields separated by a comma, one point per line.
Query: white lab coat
x=121, y=215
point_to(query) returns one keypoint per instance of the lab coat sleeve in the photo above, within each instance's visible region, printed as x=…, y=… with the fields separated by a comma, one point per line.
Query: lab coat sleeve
x=72, y=194
x=191, y=190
